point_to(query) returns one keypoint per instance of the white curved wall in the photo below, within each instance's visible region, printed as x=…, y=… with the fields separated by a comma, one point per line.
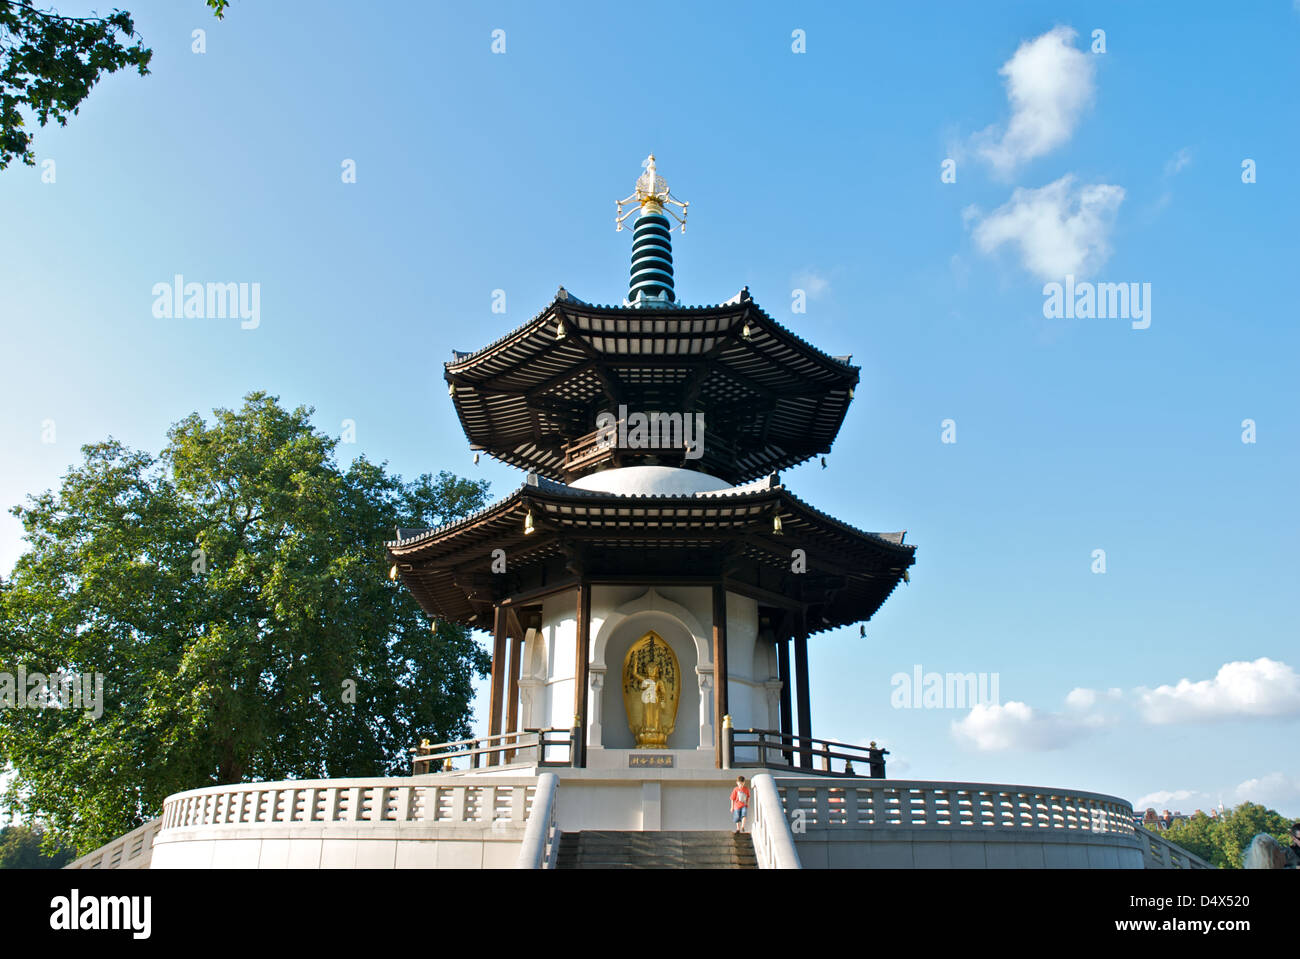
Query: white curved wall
x=953, y=849
x=442, y=821
x=652, y=481
x=478, y=820
x=619, y=616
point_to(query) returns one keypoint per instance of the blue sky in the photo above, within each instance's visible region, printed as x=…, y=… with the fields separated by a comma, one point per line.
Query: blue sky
x=818, y=171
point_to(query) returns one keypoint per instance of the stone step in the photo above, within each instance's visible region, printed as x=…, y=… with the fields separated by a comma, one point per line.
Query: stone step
x=613, y=849
x=634, y=856
x=617, y=852
x=597, y=862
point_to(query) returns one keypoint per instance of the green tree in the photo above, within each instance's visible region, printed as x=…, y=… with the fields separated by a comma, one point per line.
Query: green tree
x=49, y=63
x=1223, y=840
x=20, y=848
x=234, y=595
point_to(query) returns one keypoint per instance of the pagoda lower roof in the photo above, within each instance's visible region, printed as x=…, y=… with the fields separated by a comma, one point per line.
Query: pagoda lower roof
x=770, y=400
x=726, y=535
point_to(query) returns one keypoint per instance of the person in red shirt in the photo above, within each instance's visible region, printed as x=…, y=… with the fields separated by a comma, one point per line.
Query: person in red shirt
x=739, y=803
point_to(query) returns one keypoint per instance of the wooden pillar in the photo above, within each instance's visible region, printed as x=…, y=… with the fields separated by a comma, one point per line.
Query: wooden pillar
x=805, y=705
x=783, y=673
x=498, y=690
x=580, y=678
x=720, y=706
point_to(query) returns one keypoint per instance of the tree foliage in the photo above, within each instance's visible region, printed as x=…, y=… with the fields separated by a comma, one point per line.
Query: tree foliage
x=233, y=592
x=49, y=63
x=21, y=848
x=1223, y=840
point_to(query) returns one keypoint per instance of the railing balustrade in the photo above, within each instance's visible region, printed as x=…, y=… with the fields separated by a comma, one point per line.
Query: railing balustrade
x=132, y=851
x=531, y=747
x=541, y=842
x=1159, y=853
x=902, y=804
x=595, y=447
x=352, y=801
x=770, y=831
x=771, y=748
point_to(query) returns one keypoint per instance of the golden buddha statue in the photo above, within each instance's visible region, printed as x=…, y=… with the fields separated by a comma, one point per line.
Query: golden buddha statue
x=651, y=689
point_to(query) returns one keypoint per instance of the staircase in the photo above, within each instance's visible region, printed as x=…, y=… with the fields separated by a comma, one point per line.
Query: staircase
x=597, y=849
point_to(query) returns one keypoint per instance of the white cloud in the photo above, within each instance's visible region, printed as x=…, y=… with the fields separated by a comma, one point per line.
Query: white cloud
x=1015, y=725
x=1264, y=687
x=1081, y=698
x=1058, y=228
x=1176, y=162
x=1161, y=798
x=1261, y=688
x=1049, y=83
x=812, y=282
x=1275, y=790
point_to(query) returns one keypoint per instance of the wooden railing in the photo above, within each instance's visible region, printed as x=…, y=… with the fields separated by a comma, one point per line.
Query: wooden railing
x=532, y=747
x=770, y=748
x=907, y=804
x=586, y=451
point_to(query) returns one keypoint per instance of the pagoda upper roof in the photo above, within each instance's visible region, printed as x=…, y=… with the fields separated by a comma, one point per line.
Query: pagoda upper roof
x=770, y=400
x=849, y=572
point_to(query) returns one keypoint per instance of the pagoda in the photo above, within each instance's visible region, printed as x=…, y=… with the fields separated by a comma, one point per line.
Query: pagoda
x=643, y=587
x=645, y=583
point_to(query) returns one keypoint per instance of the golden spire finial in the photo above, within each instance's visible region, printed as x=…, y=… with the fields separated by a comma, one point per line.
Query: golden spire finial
x=650, y=195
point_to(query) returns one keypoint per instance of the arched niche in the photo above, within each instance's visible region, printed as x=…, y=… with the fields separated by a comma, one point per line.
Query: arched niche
x=651, y=602
x=680, y=630
x=534, y=660
x=615, y=733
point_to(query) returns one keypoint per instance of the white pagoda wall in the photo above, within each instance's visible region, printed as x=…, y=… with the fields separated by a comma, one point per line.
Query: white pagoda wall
x=620, y=615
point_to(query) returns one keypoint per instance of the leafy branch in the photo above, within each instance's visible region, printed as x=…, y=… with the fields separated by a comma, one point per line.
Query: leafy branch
x=50, y=62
